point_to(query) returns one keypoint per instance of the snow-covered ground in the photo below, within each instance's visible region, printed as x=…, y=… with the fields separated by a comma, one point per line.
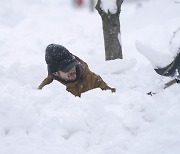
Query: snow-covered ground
x=53, y=121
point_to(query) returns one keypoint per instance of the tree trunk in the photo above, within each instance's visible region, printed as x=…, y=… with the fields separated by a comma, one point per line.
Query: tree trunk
x=111, y=31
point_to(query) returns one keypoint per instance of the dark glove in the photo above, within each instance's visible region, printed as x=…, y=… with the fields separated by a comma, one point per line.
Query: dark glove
x=113, y=90
x=177, y=81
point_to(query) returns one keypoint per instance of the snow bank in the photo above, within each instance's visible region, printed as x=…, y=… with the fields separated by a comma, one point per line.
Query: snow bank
x=156, y=58
x=53, y=121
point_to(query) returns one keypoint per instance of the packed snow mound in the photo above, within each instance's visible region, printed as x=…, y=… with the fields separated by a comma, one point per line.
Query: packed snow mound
x=156, y=58
x=117, y=66
x=175, y=43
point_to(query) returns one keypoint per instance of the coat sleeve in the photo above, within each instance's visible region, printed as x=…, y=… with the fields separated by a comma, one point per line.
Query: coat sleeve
x=92, y=80
x=46, y=81
x=99, y=83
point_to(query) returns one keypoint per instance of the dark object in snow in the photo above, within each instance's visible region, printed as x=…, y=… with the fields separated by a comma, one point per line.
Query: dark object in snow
x=171, y=70
x=166, y=85
x=71, y=71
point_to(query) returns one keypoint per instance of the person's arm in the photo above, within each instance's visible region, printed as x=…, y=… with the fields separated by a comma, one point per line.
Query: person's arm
x=46, y=81
x=101, y=84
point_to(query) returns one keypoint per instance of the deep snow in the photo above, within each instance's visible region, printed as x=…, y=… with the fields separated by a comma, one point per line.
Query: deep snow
x=53, y=121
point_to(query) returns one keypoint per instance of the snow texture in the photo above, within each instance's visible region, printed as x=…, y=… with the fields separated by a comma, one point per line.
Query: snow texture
x=109, y=6
x=52, y=121
x=157, y=58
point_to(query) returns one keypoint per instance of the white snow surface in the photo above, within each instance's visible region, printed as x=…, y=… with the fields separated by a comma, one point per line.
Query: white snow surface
x=52, y=121
x=156, y=58
x=109, y=5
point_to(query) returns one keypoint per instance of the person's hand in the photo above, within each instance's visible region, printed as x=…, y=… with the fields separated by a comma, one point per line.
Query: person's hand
x=113, y=90
x=39, y=88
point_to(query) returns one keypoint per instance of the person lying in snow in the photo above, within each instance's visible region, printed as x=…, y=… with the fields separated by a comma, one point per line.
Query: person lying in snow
x=71, y=71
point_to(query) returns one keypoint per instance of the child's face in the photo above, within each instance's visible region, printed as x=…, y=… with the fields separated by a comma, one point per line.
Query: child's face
x=70, y=75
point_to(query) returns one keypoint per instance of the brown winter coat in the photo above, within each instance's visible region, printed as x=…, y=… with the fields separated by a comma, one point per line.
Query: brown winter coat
x=88, y=81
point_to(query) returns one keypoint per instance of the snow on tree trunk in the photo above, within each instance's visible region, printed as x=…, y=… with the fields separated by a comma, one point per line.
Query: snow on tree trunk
x=109, y=11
